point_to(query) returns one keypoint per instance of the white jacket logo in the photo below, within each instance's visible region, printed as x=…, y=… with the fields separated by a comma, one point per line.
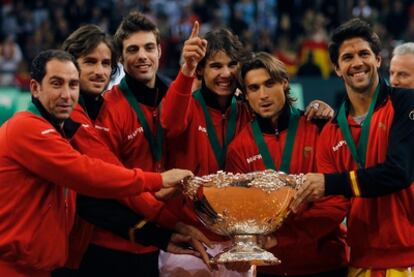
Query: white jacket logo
x=134, y=134
x=47, y=131
x=338, y=145
x=202, y=129
x=254, y=158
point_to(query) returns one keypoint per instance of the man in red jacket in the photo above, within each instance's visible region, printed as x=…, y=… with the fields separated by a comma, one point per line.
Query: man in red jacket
x=280, y=138
x=97, y=59
x=109, y=254
x=38, y=166
x=370, y=144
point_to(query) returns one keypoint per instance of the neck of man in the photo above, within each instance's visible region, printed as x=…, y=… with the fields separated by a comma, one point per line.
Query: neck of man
x=224, y=101
x=360, y=101
x=274, y=119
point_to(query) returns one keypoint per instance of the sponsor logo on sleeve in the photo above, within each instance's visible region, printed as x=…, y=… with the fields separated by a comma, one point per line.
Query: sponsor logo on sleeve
x=253, y=158
x=339, y=145
x=135, y=133
x=202, y=129
x=102, y=128
x=47, y=131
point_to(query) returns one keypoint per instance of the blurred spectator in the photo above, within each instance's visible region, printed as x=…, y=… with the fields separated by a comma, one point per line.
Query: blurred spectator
x=287, y=54
x=260, y=24
x=309, y=68
x=402, y=66
x=397, y=19
x=362, y=10
x=10, y=58
x=316, y=41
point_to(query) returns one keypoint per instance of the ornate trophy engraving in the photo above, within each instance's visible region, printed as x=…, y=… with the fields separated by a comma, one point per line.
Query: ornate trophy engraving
x=243, y=206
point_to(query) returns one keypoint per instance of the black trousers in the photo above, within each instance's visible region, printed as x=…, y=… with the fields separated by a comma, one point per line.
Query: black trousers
x=335, y=273
x=99, y=261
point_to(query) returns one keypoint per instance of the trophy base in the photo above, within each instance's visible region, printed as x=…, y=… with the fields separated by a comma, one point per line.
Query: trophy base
x=246, y=250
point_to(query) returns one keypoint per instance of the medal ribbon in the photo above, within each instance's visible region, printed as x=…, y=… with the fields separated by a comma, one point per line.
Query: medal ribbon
x=358, y=153
x=290, y=140
x=155, y=142
x=219, y=152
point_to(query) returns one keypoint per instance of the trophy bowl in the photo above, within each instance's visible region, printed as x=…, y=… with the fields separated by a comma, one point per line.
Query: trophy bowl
x=242, y=207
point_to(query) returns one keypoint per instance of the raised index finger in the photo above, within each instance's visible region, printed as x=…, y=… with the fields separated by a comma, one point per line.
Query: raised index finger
x=195, y=30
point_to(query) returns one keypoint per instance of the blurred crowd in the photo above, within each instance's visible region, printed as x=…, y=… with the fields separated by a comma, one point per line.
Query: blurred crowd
x=295, y=31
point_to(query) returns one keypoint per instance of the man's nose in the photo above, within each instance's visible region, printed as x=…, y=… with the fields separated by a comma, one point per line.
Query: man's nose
x=394, y=80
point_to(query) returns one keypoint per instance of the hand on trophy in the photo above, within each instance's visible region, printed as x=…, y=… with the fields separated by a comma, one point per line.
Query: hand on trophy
x=166, y=193
x=173, y=177
x=318, y=110
x=194, y=50
x=187, y=244
x=313, y=188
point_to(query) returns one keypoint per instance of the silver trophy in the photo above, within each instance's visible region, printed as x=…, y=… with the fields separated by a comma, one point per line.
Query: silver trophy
x=242, y=207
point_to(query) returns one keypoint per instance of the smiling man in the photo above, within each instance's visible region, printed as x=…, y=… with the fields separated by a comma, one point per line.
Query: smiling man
x=370, y=142
x=126, y=118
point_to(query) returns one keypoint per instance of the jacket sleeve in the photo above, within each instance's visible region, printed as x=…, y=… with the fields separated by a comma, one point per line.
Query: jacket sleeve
x=145, y=204
x=396, y=172
x=122, y=221
x=176, y=108
x=152, y=209
x=39, y=148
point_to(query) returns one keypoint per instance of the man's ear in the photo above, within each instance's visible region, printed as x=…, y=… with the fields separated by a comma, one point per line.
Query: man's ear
x=379, y=60
x=285, y=85
x=159, y=51
x=199, y=72
x=337, y=71
x=35, y=88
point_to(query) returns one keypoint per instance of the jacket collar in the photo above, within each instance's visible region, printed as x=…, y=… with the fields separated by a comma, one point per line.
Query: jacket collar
x=145, y=95
x=266, y=125
x=91, y=103
x=69, y=126
x=211, y=98
x=382, y=97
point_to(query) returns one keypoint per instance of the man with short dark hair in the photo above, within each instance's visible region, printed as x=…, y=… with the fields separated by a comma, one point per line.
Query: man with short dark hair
x=370, y=142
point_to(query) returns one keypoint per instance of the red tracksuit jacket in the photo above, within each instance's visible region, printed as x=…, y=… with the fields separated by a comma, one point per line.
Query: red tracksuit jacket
x=120, y=129
x=310, y=242
x=37, y=164
x=381, y=227
x=187, y=140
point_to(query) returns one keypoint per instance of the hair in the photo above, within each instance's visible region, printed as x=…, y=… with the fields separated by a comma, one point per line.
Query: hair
x=403, y=49
x=132, y=23
x=38, y=67
x=223, y=40
x=85, y=39
x=276, y=69
x=354, y=28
